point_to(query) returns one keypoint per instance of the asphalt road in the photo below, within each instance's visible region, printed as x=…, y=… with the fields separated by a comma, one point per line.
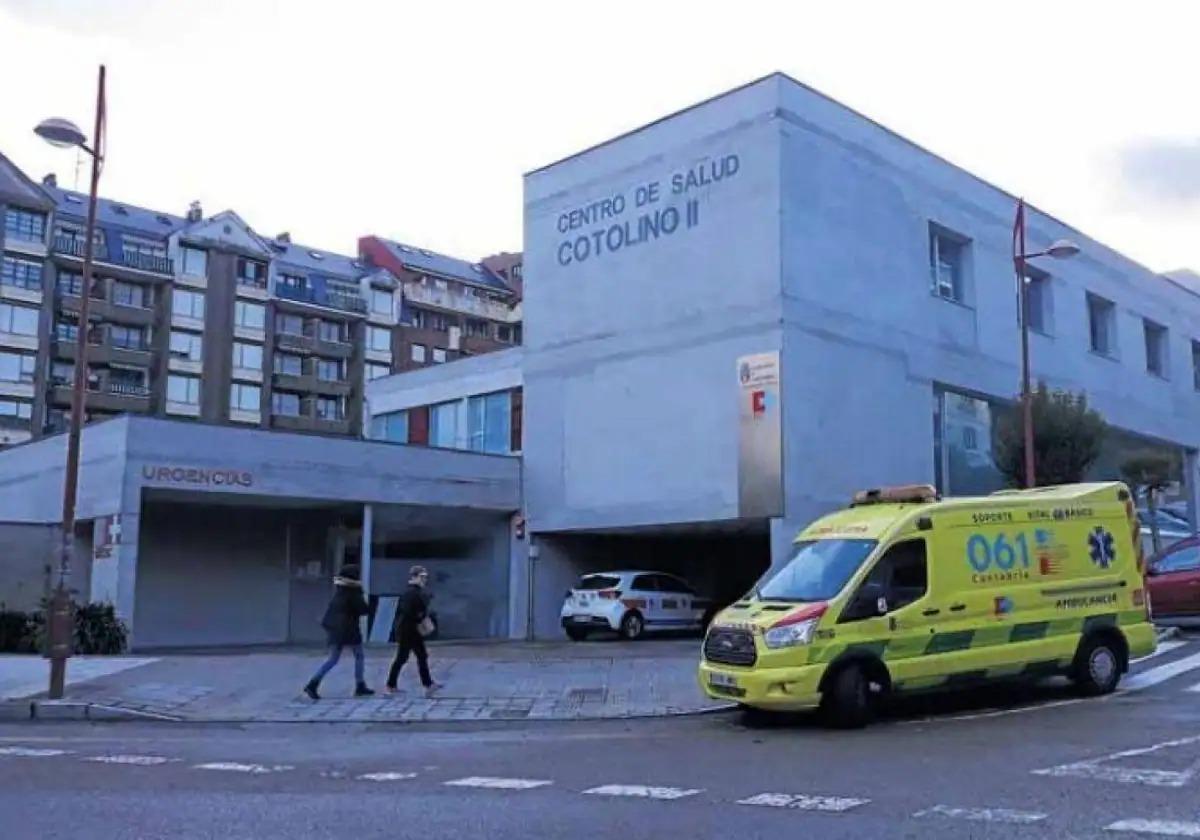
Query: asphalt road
x=1012, y=764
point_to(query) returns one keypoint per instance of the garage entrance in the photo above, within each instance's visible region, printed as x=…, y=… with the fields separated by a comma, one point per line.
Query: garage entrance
x=721, y=561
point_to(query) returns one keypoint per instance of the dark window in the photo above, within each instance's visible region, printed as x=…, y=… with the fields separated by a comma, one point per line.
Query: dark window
x=592, y=583
x=290, y=324
x=1156, y=348
x=645, y=583
x=251, y=272
x=948, y=263
x=1038, y=292
x=1102, y=325
x=902, y=573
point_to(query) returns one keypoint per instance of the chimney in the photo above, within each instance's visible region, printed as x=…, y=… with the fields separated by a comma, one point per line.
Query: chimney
x=51, y=180
x=194, y=213
x=284, y=237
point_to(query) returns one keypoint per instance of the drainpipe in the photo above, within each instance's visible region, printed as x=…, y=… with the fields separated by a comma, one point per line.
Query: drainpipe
x=530, y=574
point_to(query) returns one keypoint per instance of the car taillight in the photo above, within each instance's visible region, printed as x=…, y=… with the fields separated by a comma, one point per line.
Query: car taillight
x=609, y=594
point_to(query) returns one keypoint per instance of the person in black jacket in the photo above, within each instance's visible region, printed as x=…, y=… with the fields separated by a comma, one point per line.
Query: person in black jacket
x=342, y=629
x=412, y=614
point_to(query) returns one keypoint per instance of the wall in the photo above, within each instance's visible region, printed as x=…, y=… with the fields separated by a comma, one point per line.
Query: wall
x=25, y=551
x=630, y=355
x=499, y=371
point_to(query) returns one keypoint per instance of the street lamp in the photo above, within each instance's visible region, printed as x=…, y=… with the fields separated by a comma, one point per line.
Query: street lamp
x=65, y=134
x=1061, y=249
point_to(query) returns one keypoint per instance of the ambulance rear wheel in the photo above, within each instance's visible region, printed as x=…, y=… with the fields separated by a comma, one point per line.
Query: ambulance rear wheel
x=1097, y=667
x=847, y=701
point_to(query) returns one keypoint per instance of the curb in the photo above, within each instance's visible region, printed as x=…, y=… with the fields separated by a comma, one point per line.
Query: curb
x=68, y=710
x=1163, y=633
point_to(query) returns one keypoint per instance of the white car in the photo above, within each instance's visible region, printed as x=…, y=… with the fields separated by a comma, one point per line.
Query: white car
x=632, y=603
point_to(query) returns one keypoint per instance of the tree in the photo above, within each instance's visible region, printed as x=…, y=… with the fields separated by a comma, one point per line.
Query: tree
x=1067, y=436
x=1151, y=472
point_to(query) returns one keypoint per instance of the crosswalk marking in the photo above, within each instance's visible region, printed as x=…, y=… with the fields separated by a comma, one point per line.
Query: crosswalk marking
x=31, y=752
x=1161, y=673
x=1161, y=828
x=386, y=777
x=1195, y=689
x=140, y=760
x=499, y=783
x=801, y=802
x=1163, y=647
x=1000, y=815
x=642, y=791
x=236, y=767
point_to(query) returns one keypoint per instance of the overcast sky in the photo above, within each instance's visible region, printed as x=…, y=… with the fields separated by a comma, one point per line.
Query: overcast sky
x=416, y=120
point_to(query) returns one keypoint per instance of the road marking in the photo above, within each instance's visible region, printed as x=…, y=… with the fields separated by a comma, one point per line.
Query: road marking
x=1000, y=815
x=1098, y=768
x=141, y=760
x=386, y=777
x=801, y=802
x=235, y=767
x=499, y=783
x=1195, y=689
x=1163, y=647
x=30, y=752
x=1163, y=828
x=642, y=791
x=1162, y=673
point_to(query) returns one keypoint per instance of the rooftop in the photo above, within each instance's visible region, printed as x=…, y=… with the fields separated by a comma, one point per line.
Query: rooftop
x=115, y=214
x=425, y=261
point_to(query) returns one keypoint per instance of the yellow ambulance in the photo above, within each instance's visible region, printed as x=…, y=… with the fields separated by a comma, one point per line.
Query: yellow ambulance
x=903, y=591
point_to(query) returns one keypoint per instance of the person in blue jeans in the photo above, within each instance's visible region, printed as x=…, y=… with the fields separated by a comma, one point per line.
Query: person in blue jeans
x=341, y=623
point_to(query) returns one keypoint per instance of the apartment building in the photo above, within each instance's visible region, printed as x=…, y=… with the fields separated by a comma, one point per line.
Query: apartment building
x=202, y=318
x=449, y=308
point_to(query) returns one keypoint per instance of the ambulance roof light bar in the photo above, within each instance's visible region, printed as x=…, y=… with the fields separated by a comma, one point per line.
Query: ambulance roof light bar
x=904, y=494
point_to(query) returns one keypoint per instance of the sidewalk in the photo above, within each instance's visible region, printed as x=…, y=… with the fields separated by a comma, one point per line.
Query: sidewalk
x=502, y=681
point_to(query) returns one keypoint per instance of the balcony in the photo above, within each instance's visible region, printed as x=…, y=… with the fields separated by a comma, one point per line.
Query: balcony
x=310, y=342
x=332, y=300
x=103, y=309
x=104, y=348
x=106, y=395
x=457, y=301
x=130, y=258
x=251, y=288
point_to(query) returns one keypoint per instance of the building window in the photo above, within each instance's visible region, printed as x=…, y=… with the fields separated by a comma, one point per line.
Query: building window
x=331, y=370
x=251, y=272
x=195, y=261
x=245, y=397
x=504, y=333
x=439, y=354
x=20, y=272
x=391, y=427
x=187, y=304
x=247, y=356
x=963, y=445
x=333, y=332
x=19, y=320
x=331, y=408
x=1157, y=360
x=292, y=282
x=135, y=247
x=26, y=225
x=947, y=263
x=285, y=404
x=186, y=345
x=376, y=371
x=131, y=294
x=381, y=302
x=128, y=338
x=62, y=373
x=1102, y=325
x=70, y=238
x=286, y=364
x=16, y=367
x=489, y=423
x=477, y=328
x=183, y=389
x=1196, y=365
x=63, y=330
x=16, y=408
x=443, y=425
x=1040, y=301
x=418, y=353
x=252, y=316
x=130, y=381
x=379, y=339
x=289, y=324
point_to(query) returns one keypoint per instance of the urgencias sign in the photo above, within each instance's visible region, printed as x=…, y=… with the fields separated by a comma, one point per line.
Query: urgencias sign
x=197, y=476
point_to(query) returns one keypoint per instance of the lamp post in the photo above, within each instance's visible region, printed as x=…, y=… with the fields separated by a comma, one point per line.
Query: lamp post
x=65, y=134
x=1062, y=249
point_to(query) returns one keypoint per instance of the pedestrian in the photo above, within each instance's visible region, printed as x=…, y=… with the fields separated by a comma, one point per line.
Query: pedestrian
x=412, y=625
x=342, y=630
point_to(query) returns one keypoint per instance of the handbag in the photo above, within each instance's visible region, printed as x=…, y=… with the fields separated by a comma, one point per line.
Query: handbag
x=426, y=627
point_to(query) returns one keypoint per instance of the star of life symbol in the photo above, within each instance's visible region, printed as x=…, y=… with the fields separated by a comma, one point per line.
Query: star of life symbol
x=1101, y=547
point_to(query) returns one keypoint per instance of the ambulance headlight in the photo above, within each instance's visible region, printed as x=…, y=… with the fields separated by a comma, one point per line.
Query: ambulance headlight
x=791, y=635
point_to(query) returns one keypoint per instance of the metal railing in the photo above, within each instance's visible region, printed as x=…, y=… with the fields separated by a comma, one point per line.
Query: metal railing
x=130, y=258
x=127, y=389
x=460, y=302
x=334, y=300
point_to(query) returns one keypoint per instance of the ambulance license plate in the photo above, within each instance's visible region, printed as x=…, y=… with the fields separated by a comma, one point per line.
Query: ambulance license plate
x=722, y=680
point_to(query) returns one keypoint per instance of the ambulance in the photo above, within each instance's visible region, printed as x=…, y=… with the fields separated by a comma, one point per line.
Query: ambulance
x=903, y=592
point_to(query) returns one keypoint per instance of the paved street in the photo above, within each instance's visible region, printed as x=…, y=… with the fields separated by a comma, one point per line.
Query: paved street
x=1017, y=763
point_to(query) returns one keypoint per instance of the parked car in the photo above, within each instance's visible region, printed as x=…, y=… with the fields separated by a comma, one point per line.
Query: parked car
x=632, y=604
x=1171, y=529
x=1173, y=580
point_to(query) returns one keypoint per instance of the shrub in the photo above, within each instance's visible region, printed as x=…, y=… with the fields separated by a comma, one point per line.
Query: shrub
x=16, y=631
x=97, y=630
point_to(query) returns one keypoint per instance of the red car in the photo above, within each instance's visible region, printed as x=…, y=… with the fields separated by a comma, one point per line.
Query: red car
x=1173, y=579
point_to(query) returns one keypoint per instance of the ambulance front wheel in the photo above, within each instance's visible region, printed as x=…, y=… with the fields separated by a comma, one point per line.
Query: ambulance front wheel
x=847, y=702
x=1097, y=667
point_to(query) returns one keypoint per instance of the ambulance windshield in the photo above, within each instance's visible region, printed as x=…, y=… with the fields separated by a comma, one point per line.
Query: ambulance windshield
x=817, y=570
